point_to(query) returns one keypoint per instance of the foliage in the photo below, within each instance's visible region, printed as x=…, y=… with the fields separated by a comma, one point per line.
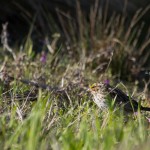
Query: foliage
x=102, y=49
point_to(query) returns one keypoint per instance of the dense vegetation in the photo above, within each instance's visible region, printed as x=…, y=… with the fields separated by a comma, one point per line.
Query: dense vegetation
x=75, y=52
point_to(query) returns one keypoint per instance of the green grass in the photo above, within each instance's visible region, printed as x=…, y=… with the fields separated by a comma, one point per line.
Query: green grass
x=77, y=124
x=84, y=127
x=55, y=121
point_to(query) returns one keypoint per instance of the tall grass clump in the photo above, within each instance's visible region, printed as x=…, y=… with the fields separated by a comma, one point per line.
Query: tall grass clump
x=103, y=39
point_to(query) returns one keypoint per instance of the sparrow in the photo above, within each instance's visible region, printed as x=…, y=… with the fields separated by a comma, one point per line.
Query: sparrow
x=105, y=95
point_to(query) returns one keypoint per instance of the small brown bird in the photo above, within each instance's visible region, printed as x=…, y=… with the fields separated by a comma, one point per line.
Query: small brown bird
x=105, y=95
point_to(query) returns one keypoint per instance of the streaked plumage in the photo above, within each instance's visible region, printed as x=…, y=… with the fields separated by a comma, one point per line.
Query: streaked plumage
x=102, y=93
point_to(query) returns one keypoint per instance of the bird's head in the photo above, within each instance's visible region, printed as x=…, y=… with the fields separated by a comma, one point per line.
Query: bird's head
x=97, y=88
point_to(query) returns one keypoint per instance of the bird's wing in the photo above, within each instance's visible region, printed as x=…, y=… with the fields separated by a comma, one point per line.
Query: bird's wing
x=122, y=98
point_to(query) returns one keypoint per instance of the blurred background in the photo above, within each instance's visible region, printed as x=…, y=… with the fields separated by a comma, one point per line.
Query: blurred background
x=45, y=14
x=96, y=27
